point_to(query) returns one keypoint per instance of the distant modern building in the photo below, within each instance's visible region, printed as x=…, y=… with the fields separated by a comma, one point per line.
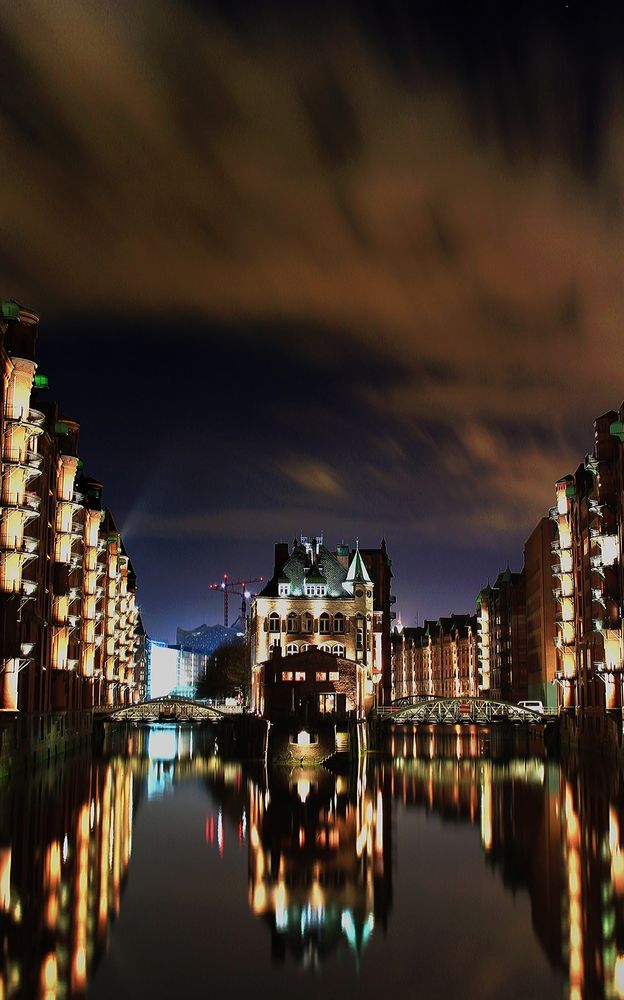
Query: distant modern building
x=172, y=670
x=322, y=600
x=205, y=638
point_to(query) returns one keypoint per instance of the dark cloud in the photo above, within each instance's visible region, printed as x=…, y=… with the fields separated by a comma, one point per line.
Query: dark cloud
x=352, y=262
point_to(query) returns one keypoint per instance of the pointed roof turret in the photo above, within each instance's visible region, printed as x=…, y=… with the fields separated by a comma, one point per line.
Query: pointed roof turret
x=357, y=570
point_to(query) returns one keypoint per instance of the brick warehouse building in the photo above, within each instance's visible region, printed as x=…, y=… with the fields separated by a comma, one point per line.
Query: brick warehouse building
x=70, y=632
x=436, y=659
x=336, y=602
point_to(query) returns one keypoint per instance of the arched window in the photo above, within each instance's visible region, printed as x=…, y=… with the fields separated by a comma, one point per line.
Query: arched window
x=304, y=647
x=324, y=623
x=307, y=622
x=339, y=622
x=274, y=622
x=291, y=648
x=326, y=648
x=292, y=622
x=338, y=650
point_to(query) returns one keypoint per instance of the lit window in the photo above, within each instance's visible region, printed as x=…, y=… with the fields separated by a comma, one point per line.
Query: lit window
x=303, y=647
x=321, y=675
x=283, y=589
x=287, y=675
x=326, y=648
x=338, y=650
x=359, y=644
x=291, y=648
x=334, y=675
x=300, y=675
x=315, y=589
x=274, y=622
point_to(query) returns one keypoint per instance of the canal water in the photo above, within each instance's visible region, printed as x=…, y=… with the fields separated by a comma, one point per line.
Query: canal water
x=452, y=866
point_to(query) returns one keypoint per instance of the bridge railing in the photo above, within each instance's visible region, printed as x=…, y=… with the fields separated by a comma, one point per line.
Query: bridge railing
x=458, y=710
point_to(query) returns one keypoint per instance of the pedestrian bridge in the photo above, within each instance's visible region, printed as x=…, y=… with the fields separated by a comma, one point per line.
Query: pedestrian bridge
x=163, y=710
x=420, y=708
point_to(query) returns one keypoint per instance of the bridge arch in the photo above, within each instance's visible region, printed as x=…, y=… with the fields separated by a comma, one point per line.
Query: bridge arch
x=165, y=710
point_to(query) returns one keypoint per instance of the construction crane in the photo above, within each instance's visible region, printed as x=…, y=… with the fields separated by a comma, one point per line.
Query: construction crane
x=236, y=588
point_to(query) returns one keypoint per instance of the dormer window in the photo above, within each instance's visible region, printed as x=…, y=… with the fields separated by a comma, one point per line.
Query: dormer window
x=315, y=589
x=283, y=589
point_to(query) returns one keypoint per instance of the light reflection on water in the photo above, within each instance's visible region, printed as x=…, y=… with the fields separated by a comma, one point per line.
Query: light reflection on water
x=334, y=862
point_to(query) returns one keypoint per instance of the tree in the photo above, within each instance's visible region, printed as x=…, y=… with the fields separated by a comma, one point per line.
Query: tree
x=227, y=673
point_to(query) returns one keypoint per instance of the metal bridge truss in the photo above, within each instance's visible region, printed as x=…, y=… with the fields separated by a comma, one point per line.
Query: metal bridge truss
x=454, y=710
x=165, y=710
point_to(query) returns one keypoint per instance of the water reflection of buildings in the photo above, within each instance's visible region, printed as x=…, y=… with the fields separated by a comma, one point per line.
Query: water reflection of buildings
x=319, y=860
x=556, y=832
x=64, y=853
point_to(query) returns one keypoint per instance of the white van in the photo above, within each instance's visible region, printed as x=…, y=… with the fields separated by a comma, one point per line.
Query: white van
x=533, y=706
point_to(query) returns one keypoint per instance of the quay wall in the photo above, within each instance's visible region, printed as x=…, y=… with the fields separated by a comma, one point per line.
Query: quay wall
x=32, y=739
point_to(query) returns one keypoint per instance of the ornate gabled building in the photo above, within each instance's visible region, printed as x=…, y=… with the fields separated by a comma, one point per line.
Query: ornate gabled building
x=322, y=600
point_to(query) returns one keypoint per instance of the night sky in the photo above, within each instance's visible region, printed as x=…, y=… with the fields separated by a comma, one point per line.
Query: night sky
x=343, y=268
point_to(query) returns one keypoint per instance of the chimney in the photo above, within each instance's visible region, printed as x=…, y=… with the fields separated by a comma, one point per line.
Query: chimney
x=281, y=557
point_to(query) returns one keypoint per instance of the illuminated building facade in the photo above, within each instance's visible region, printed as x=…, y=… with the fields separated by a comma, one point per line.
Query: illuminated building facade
x=540, y=615
x=437, y=659
x=501, y=613
x=173, y=670
x=324, y=601
x=70, y=636
x=587, y=571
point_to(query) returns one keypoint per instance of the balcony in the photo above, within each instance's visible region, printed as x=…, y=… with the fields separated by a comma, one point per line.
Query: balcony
x=596, y=564
x=78, y=497
x=556, y=592
x=36, y=417
x=554, y=514
x=30, y=471
x=29, y=588
x=598, y=596
x=34, y=459
x=591, y=464
x=32, y=419
x=597, y=624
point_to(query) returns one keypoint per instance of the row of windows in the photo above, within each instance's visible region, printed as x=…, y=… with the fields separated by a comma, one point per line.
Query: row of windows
x=305, y=622
x=337, y=648
x=300, y=675
x=311, y=589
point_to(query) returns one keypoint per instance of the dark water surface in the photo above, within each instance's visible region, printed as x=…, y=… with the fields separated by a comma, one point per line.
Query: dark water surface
x=453, y=867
